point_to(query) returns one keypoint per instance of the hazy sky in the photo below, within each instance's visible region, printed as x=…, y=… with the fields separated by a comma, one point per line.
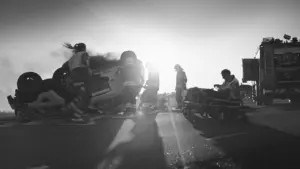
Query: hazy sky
x=203, y=36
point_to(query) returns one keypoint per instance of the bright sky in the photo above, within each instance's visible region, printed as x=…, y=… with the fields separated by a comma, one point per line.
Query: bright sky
x=203, y=36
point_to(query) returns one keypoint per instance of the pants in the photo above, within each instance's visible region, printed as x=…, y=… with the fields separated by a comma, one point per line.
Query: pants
x=81, y=80
x=179, y=99
x=129, y=94
x=150, y=95
x=81, y=75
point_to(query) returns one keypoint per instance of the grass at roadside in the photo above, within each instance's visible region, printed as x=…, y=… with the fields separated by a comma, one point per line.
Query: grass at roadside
x=6, y=115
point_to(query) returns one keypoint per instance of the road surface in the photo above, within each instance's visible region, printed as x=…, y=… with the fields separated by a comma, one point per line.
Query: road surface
x=170, y=142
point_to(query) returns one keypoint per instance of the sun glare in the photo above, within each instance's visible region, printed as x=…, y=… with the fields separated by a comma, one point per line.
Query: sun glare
x=160, y=54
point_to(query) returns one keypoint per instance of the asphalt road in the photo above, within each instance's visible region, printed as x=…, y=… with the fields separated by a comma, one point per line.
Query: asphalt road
x=170, y=142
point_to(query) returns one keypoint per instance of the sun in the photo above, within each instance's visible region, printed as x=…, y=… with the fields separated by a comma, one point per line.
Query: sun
x=162, y=58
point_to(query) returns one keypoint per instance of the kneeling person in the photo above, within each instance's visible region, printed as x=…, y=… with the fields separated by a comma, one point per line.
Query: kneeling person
x=56, y=98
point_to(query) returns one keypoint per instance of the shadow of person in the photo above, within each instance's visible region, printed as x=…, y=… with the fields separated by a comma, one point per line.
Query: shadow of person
x=59, y=147
x=145, y=150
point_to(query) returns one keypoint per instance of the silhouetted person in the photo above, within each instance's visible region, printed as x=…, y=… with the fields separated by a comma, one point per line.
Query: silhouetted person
x=80, y=73
x=151, y=86
x=133, y=74
x=230, y=87
x=181, y=81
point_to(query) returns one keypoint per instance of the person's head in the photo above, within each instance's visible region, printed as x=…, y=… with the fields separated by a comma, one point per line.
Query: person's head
x=79, y=47
x=128, y=55
x=177, y=68
x=226, y=74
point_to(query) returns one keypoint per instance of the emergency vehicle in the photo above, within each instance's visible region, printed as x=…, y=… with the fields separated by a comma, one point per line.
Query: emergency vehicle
x=275, y=71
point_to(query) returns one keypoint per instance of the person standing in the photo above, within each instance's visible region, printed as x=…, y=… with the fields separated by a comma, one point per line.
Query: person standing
x=181, y=81
x=151, y=86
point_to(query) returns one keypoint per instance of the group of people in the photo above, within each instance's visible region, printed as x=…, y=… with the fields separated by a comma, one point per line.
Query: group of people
x=80, y=79
x=229, y=90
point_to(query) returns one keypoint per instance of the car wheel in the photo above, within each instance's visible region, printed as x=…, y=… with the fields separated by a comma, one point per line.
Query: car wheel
x=60, y=75
x=29, y=82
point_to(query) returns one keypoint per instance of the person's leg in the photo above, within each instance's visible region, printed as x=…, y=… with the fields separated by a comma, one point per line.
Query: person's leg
x=152, y=94
x=179, y=97
x=47, y=100
x=154, y=97
x=82, y=80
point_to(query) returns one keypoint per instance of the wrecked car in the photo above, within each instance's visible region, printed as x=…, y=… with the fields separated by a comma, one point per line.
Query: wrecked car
x=114, y=82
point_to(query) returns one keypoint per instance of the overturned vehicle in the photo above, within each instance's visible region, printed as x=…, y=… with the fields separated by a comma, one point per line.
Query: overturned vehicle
x=113, y=83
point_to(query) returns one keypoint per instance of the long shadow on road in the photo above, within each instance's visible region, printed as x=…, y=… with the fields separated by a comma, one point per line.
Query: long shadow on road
x=249, y=146
x=144, y=151
x=56, y=146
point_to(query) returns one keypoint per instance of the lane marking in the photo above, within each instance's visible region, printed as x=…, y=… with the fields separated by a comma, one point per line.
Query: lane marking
x=182, y=158
x=34, y=123
x=40, y=167
x=226, y=136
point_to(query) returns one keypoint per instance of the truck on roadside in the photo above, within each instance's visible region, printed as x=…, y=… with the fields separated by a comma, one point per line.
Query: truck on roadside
x=275, y=70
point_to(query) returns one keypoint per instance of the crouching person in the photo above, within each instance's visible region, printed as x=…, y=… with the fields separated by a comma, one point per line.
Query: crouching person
x=55, y=100
x=78, y=65
x=132, y=72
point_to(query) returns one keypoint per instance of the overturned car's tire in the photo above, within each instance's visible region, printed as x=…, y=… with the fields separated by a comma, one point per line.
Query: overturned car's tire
x=60, y=74
x=29, y=82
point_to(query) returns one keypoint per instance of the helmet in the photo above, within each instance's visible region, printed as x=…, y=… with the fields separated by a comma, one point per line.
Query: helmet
x=80, y=47
x=128, y=54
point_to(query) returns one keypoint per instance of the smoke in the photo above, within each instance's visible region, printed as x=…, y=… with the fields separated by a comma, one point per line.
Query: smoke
x=7, y=74
x=104, y=61
x=8, y=81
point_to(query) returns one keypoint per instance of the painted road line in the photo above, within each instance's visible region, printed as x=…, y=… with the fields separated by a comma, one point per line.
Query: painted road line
x=226, y=136
x=40, y=167
x=34, y=123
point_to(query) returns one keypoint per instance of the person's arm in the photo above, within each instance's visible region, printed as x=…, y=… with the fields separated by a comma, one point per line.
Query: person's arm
x=85, y=59
x=224, y=86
